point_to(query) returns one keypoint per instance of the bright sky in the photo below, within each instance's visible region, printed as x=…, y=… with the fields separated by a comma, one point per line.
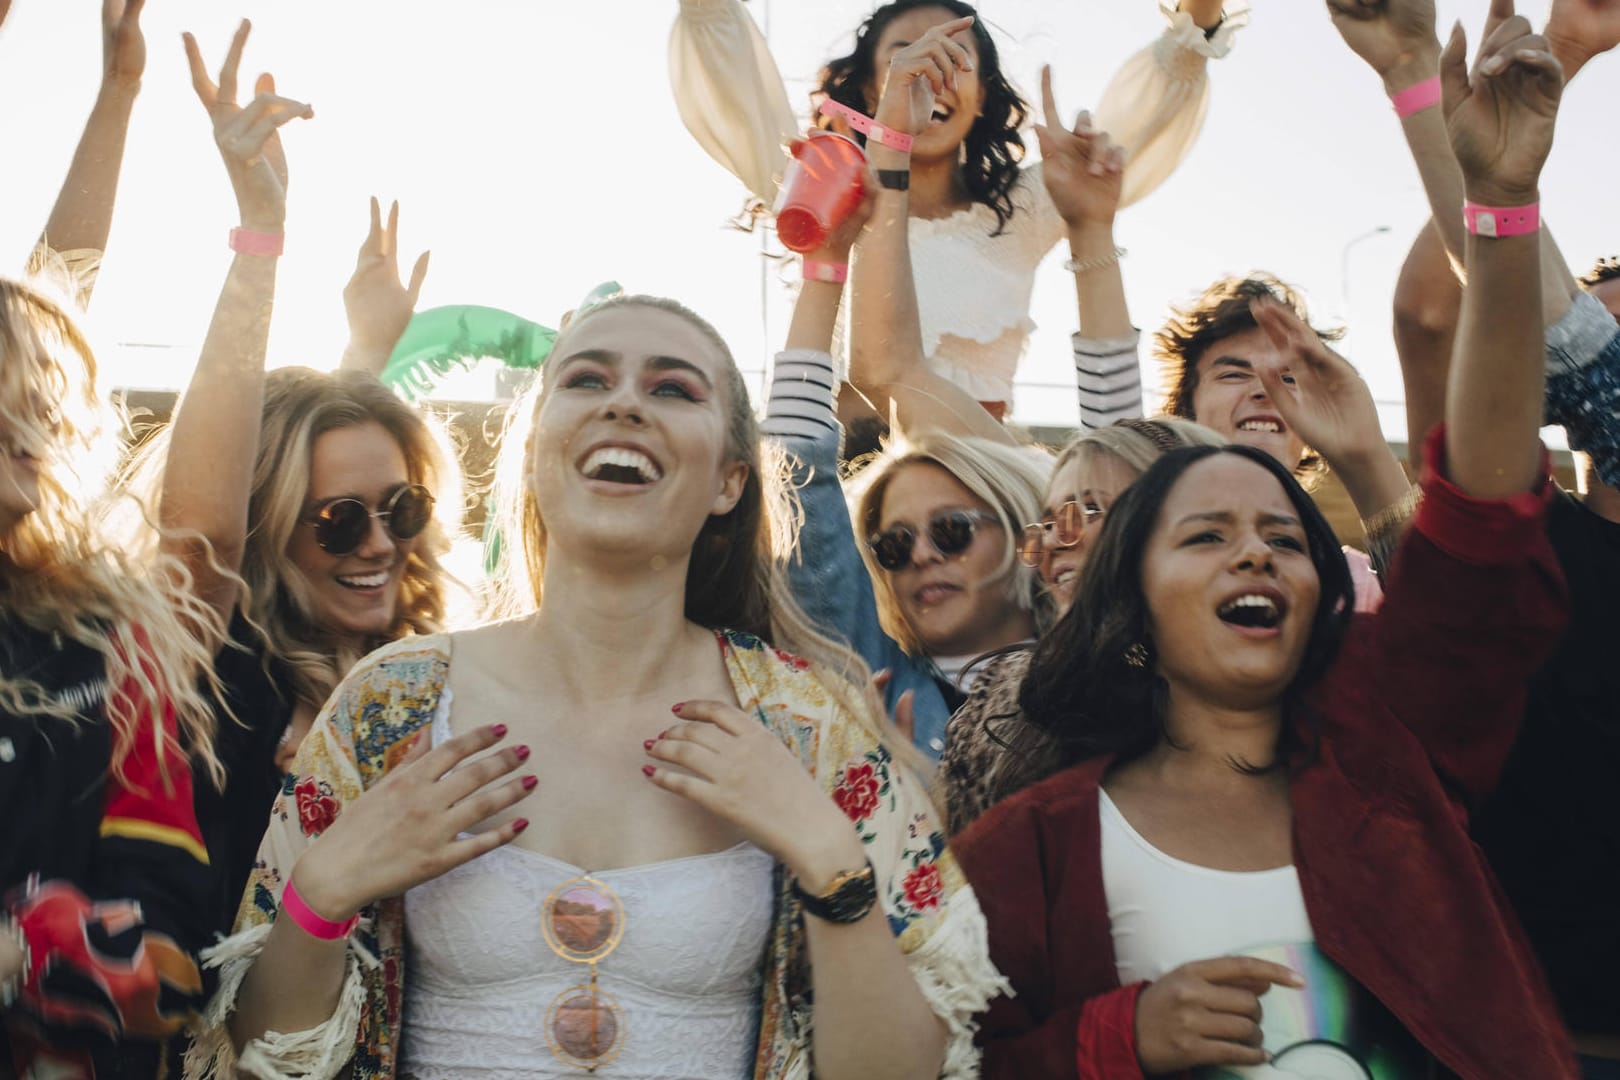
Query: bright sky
x=535, y=149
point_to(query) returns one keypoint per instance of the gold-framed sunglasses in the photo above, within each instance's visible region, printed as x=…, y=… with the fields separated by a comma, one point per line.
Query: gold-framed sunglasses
x=583, y=921
x=1063, y=529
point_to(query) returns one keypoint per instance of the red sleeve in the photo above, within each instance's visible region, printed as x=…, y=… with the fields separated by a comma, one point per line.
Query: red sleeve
x=1107, y=1036
x=1474, y=604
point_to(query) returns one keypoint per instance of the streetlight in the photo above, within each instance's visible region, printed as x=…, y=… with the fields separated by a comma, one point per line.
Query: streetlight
x=1344, y=267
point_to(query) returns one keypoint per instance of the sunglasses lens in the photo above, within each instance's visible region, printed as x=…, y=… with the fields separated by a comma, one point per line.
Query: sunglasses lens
x=951, y=534
x=892, y=549
x=341, y=525
x=410, y=513
x=1071, y=521
x=1031, y=544
x=583, y=922
x=584, y=1026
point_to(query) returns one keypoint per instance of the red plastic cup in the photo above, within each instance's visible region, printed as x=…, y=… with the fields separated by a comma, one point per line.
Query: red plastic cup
x=823, y=186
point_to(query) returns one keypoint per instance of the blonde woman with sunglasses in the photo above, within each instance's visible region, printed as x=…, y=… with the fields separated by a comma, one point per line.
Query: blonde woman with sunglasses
x=645, y=826
x=311, y=507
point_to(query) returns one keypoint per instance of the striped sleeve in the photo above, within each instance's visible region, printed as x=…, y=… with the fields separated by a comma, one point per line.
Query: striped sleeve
x=1108, y=376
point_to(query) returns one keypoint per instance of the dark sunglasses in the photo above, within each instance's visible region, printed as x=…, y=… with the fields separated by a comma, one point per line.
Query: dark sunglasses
x=1062, y=530
x=950, y=532
x=341, y=525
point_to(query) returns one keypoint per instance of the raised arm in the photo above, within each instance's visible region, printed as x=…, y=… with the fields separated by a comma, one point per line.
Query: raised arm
x=729, y=92
x=886, y=359
x=208, y=474
x=82, y=216
x=1083, y=171
x=1500, y=118
x=378, y=305
x=1428, y=298
x=1154, y=106
x=1578, y=30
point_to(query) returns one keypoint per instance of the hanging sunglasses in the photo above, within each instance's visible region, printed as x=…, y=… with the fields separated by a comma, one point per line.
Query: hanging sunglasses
x=950, y=532
x=1065, y=527
x=583, y=921
x=341, y=525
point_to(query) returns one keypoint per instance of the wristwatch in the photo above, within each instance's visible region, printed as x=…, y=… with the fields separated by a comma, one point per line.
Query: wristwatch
x=894, y=179
x=847, y=900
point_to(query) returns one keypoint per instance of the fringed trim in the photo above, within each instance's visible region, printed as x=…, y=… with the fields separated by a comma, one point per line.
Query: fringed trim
x=317, y=1054
x=954, y=972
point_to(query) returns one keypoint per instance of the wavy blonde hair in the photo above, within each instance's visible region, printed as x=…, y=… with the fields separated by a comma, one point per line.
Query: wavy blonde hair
x=736, y=579
x=1137, y=443
x=60, y=572
x=300, y=405
x=1010, y=480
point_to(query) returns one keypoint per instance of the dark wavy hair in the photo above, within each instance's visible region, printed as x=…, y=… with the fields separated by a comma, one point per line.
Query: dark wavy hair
x=1220, y=312
x=993, y=146
x=1081, y=698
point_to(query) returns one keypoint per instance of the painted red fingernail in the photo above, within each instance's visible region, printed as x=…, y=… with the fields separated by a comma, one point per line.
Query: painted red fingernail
x=648, y=745
x=519, y=825
x=647, y=770
x=498, y=730
x=529, y=782
x=664, y=734
x=677, y=707
x=522, y=753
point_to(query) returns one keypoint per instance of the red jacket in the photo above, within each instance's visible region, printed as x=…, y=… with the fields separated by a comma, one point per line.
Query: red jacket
x=1417, y=715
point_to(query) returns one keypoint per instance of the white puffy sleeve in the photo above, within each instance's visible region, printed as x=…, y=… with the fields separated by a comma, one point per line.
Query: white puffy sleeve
x=1155, y=105
x=729, y=92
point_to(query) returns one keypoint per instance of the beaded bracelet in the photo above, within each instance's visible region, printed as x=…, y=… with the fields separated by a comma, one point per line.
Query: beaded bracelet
x=1096, y=262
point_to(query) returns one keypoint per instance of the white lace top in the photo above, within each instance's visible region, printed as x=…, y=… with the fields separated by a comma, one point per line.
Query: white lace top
x=686, y=974
x=973, y=290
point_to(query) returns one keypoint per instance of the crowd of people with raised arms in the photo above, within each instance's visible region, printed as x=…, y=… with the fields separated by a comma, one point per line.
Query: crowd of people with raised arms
x=849, y=733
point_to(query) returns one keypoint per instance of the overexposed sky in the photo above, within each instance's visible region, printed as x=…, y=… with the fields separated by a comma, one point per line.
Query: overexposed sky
x=534, y=148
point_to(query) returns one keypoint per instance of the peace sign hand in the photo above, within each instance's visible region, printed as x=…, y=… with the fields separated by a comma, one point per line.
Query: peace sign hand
x=1084, y=171
x=1501, y=115
x=378, y=304
x=247, y=137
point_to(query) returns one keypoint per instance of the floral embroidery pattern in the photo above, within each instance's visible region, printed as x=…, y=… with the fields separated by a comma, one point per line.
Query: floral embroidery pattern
x=317, y=809
x=924, y=888
x=857, y=792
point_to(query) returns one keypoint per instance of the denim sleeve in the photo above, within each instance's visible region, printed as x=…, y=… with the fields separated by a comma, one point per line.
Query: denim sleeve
x=1583, y=383
x=831, y=584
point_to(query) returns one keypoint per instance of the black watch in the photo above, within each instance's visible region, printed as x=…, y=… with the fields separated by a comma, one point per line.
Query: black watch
x=895, y=179
x=847, y=900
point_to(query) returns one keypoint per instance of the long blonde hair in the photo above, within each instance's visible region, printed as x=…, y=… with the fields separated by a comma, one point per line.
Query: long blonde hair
x=736, y=578
x=300, y=405
x=1011, y=481
x=60, y=574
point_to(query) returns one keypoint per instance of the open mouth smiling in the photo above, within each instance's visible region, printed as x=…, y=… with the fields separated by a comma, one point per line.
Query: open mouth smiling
x=620, y=465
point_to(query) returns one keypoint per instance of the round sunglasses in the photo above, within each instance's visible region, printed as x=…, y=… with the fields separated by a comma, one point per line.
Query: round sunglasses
x=583, y=921
x=341, y=524
x=950, y=532
x=1062, y=530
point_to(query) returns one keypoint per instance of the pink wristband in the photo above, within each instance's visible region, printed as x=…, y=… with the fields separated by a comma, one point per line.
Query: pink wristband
x=1416, y=98
x=830, y=272
x=248, y=242
x=1500, y=221
x=305, y=918
x=894, y=140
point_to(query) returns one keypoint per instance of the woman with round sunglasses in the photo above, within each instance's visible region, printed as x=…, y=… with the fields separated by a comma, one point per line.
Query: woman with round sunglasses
x=312, y=508
x=1257, y=833
x=709, y=865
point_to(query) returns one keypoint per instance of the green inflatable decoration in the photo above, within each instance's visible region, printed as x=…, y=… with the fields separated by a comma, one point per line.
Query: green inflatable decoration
x=442, y=339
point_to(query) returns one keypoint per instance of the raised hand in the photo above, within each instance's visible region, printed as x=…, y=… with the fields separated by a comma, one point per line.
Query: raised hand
x=1388, y=34
x=1317, y=391
x=1083, y=170
x=734, y=767
x=1578, y=30
x=247, y=137
x=123, y=46
x=379, y=306
x=408, y=828
x=1206, y=1013
x=921, y=72
x=1501, y=116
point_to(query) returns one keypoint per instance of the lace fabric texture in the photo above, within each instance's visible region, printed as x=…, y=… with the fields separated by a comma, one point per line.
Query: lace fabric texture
x=686, y=975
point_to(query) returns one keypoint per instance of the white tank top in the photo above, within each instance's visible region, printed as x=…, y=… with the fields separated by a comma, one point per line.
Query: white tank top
x=1164, y=912
x=686, y=975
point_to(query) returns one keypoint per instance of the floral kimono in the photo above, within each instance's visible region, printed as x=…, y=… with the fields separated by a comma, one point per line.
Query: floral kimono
x=366, y=729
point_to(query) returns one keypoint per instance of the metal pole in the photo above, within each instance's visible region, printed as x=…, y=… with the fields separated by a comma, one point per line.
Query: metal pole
x=1344, y=268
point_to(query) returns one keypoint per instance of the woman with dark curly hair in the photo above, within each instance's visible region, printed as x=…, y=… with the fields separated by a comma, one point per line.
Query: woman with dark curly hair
x=980, y=222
